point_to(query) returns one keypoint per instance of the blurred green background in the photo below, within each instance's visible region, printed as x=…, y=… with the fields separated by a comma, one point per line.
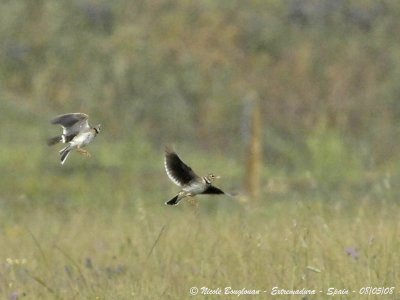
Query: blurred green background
x=326, y=76
x=157, y=72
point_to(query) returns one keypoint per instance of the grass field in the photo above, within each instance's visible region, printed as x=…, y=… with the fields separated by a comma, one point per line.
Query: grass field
x=131, y=246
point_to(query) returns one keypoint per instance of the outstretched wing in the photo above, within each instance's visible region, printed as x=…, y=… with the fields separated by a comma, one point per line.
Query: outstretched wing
x=72, y=123
x=180, y=173
x=213, y=190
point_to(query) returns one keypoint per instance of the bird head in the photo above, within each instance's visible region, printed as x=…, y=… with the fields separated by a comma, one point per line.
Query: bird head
x=211, y=177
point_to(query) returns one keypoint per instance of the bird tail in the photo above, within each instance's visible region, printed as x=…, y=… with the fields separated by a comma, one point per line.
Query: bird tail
x=174, y=201
x=54, y=140
x=64, y=153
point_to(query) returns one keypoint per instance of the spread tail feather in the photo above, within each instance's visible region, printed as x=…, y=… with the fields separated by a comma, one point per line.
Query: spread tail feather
x=64, y=153
x=54, y=140
x=174, y=201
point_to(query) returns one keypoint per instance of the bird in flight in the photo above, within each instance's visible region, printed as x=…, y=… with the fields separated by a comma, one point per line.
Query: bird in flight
x=183, y=176
x=76, y=132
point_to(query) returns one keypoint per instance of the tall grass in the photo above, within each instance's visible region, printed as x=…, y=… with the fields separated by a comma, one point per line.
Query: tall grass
x=146, y=253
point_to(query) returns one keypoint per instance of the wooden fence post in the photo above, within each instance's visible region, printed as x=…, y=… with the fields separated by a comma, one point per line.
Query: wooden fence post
x=254, y=159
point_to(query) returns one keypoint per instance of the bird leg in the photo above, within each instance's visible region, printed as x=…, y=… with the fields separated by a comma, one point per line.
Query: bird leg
x=83, y=152
x=193, y=201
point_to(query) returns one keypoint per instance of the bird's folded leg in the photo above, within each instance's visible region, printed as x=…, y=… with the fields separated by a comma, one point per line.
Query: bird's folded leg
x=83, y=152
x=193, y=201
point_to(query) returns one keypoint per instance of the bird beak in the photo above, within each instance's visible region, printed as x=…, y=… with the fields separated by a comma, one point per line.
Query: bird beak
x=217, y=177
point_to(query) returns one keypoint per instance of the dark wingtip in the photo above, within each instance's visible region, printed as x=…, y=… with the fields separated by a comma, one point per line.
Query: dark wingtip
x=212, y=190
x=173, y=201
